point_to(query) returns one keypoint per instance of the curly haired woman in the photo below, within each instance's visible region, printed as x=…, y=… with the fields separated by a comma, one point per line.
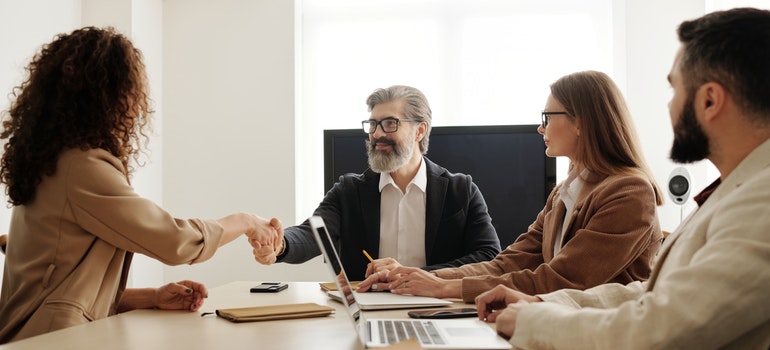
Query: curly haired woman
x=77, y=124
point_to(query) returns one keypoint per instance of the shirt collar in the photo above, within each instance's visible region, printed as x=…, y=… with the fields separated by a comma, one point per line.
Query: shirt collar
x=420, y=179
x=701, y=197
x=572, y=185
x=753, y=163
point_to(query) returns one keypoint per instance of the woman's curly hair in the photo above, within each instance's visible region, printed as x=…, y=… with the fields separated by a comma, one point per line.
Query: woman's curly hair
x=87, y=90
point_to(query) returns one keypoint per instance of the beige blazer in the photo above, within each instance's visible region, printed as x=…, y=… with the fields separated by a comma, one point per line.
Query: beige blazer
x=612, y=236
x=70, y=249
x=709, y=289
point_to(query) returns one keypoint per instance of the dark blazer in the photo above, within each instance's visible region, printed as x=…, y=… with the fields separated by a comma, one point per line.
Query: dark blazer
x=458, y=229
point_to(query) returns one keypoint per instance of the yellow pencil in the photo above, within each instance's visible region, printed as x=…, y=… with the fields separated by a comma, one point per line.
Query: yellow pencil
x=368, y=256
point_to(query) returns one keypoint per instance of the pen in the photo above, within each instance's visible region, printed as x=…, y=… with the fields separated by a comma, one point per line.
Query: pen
x=368, y=256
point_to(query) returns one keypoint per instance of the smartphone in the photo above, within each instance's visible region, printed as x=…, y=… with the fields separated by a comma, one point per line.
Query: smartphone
x=444, y=313
x=269, y=287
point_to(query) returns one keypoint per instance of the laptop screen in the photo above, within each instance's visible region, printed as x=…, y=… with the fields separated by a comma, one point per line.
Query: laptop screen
x=341, y=279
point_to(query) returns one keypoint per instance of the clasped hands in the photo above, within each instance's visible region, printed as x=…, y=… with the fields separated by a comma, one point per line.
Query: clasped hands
x=387, y=274
x=266, y=238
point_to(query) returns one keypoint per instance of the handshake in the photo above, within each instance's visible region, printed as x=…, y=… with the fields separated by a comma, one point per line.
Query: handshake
x=266, y=237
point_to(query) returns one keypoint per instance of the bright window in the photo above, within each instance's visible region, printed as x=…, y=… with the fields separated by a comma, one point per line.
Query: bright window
x=479, y=62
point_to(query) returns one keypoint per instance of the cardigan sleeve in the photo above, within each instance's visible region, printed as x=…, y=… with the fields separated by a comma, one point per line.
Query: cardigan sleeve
x=104, y=204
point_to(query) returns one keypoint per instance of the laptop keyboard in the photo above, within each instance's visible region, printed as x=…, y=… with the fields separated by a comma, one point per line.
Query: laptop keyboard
x=394, y=331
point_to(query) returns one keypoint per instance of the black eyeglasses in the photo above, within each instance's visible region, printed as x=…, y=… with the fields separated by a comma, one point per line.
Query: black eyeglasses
x=547, y=117
x=388, y=125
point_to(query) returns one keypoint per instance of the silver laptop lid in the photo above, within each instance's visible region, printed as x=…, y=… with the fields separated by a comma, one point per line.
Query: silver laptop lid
x=335, y=266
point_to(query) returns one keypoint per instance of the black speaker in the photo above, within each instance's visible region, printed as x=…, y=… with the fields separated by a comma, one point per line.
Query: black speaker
x=679, y=185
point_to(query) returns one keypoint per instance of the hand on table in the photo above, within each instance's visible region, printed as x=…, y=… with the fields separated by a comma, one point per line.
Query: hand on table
x=502, y=305
x=183, y=295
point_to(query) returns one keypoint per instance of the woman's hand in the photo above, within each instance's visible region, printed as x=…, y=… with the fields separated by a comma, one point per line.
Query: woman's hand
x=183, y=295
x=410, y=280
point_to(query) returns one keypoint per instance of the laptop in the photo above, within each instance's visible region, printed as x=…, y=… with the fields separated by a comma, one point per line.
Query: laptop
x=468, y=333
x=372, y=300
x=387, y=301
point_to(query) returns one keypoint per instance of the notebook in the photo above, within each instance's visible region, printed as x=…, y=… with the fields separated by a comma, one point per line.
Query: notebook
x=431, y=334
x=274, y=312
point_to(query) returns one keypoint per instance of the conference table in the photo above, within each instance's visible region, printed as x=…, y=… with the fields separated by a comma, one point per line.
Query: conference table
x=157, y=329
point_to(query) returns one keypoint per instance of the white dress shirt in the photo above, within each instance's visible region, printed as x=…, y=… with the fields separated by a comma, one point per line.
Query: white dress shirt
x=402, y=219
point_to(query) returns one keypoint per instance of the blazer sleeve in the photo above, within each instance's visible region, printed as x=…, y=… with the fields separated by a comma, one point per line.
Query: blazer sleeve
x=609, y=233
x=300, y=243
x=104, y=204
x=525, y=252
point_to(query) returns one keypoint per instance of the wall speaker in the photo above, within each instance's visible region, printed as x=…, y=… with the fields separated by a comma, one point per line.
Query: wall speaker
x=679, y=185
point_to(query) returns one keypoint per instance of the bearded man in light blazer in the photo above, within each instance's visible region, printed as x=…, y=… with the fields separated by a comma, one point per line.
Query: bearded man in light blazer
x=710, y=286
x=404, y=209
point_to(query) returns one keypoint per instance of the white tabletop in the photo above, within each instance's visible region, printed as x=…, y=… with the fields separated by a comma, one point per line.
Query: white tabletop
x=156, y=329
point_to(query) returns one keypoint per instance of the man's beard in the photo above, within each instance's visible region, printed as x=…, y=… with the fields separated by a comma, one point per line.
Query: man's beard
x=690, y=142
x=388, y=161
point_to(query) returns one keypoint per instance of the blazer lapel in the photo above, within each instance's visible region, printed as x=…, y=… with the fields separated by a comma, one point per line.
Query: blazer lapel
x=551, y=221
x=435, y=193
x=369, y=200
x=662, y=255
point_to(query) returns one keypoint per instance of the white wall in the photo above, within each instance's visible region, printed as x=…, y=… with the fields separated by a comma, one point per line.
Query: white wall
x=228, y=125
x=24, y=26
x=650, y=45
x=142, y=21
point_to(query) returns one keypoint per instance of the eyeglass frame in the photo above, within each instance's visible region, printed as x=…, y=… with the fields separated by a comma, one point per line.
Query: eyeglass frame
x=546, y=117
x=366, y=125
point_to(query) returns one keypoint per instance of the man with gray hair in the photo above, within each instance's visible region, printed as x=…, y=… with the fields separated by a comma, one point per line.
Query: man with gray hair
x=404, y=209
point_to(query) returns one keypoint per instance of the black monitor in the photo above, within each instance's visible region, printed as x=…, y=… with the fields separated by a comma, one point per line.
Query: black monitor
x=507, y=163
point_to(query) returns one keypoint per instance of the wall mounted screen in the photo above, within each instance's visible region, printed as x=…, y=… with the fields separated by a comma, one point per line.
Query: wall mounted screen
x=507, y=163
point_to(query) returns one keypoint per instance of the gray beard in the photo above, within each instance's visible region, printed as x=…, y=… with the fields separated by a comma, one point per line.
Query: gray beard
x=388, y=162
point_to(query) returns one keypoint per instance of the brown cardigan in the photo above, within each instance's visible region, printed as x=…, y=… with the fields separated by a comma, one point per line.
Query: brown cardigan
x=71, y=247
x=613, y=235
